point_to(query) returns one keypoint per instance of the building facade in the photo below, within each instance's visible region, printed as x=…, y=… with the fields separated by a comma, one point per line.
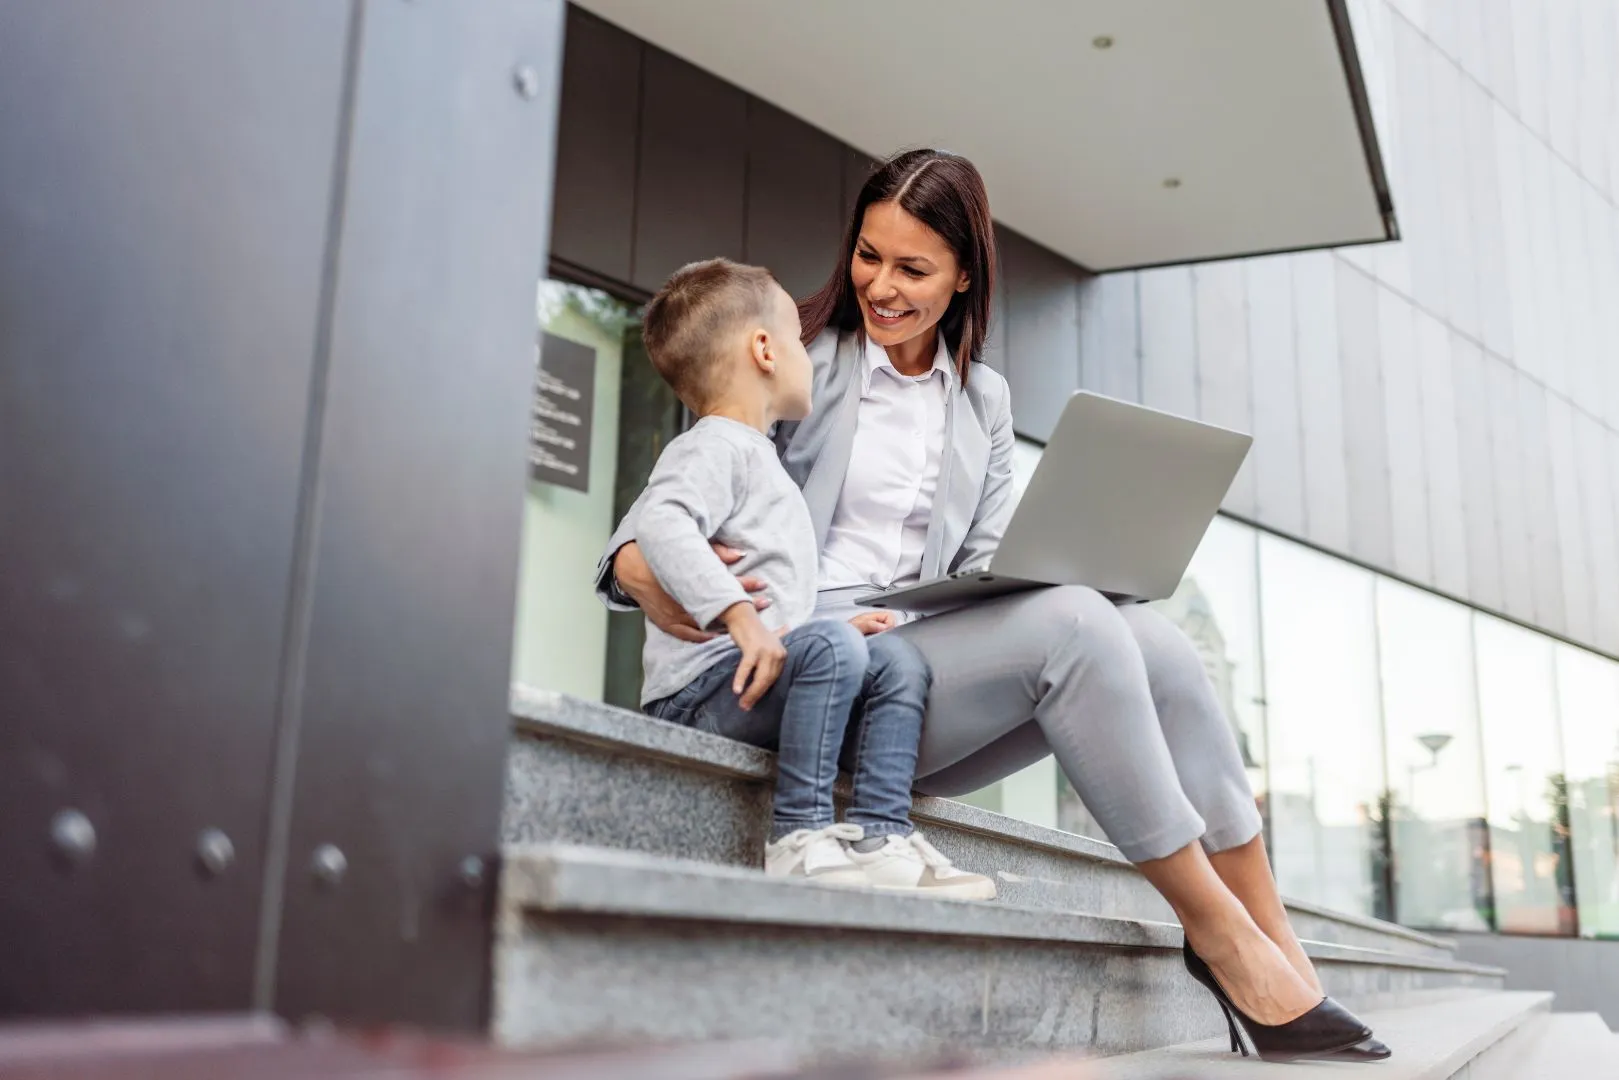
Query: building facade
x=1410, y=604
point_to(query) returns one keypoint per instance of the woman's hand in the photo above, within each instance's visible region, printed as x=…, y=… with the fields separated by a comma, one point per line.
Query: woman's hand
x=873, y=622
x=634, y=576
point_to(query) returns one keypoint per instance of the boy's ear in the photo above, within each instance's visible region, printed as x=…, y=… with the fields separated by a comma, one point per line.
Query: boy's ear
x=763, y=350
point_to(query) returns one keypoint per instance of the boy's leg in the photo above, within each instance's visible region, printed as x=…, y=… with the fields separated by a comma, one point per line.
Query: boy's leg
x=882, y=757
x=880, y=751
x=802, y=717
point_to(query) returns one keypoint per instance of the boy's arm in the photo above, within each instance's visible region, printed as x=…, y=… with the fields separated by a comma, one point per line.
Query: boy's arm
x=693, y=490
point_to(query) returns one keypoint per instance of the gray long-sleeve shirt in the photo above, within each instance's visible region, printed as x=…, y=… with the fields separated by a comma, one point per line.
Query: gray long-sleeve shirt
x=720, y=481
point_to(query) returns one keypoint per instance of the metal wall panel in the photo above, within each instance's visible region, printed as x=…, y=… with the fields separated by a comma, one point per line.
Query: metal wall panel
x=1278, y=437
x=1597, y=450
x=1422, y=225
x=1482, y=191
x=596, y=146
x=693, y=168
x=160, y=278
x=1529, y=62
x=1511, y=503
x=1486, y=586
x=405, y=616
x=1546, y=555
x=1579, y=597
x=1042, y=333
x=1403, y=425
x=1224, y=386
x=1455, y=175
x=1545, y=287
x=1371, y=532
x=1168, y=340
x=1509, y=137
x=1501, y=64
x=794, y=220
x=1562, y=70
x=1321, y=410
x=1109, y=345
x=1447, y=518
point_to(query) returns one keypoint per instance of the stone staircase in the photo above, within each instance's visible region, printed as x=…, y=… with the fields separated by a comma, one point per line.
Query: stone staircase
x=630, y=910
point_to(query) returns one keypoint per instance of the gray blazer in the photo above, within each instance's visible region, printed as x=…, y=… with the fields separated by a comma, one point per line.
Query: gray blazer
x=974, y=498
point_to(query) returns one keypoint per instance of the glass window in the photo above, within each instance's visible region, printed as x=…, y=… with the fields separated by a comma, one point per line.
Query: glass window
x=1588, y=699
x=1327, y=786
x=1526, y=795
x=601, y=416
x=1435, y=797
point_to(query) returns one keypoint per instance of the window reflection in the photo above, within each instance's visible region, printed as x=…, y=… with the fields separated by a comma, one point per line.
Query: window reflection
x=623, y=415
x=1327, y=793
x=1588, y=700
x=1527, y=792
x=1435, y=796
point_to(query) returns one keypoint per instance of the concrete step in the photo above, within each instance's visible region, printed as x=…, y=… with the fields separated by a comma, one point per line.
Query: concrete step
x=584, y=773
x=1430, y=1042
x=604, y=944
x=1557, y=1046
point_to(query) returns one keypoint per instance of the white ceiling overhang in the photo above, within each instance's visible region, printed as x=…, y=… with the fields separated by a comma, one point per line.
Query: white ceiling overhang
x=1119, y=133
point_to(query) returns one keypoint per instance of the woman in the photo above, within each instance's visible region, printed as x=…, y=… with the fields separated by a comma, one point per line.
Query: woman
x=906, y=466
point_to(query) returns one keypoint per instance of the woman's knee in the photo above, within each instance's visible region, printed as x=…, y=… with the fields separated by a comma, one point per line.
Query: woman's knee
x=1173, y=665
x=1081, y=616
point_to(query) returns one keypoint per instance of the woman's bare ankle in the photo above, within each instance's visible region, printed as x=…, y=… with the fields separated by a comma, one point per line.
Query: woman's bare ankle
x=1255, y=973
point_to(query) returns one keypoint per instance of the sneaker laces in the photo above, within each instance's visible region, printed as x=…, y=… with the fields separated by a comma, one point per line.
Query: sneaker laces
x=931, y=856
x=843, y=830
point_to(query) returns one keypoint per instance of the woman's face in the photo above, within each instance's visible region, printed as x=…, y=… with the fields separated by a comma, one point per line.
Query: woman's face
x=904, y=274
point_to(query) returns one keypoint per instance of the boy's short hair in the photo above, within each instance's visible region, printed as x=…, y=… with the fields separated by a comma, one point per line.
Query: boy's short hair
x=689, y=324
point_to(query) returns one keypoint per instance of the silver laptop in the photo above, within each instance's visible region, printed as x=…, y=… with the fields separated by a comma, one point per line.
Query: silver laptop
x=1119, y=501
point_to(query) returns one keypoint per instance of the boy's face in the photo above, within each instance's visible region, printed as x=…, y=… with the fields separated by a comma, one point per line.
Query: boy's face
x=791, y=381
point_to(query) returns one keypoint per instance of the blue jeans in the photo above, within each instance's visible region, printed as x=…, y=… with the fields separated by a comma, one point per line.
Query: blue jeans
x=840, y=698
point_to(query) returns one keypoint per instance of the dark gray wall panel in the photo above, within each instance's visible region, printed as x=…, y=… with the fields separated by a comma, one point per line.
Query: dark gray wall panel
x=1568, y=525
x=414, y=535
x=1278, y=439
x=1042, y=333
x=795, y=198
x=596, y=146
x=1109, y=349
x=1371, y=533
x=693, y=168
x=1486, y=586
x=857, y=169
x=1168, y=340
x=995, y=344
x=160, y=279
x=1407, y=454
x=1321, y=412
x=1224, y=391
x=1511, y=501
x=1441, y=445
x=1546, y=556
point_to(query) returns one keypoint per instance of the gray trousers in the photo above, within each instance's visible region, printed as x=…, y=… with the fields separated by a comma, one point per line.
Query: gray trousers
x=1118, y=694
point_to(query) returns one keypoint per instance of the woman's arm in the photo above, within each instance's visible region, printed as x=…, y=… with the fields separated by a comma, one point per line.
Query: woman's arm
x=996, y=503
x=628, y=574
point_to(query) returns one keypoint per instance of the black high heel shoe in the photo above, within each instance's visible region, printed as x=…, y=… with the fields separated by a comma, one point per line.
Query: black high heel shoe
x=1367, y=1050
x=1325, y=1031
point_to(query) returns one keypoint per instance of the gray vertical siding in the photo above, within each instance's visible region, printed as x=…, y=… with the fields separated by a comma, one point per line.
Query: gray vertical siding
x=1445, y=409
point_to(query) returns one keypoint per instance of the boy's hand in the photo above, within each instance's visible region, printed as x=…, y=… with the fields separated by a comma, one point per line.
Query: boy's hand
x=763, y=654
x=873, y=622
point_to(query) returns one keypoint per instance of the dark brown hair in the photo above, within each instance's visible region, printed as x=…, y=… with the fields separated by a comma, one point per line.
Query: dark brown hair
x=687, y=325
x=944, y=192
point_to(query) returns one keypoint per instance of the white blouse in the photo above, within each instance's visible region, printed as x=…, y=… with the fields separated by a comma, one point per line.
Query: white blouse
x=880, y=524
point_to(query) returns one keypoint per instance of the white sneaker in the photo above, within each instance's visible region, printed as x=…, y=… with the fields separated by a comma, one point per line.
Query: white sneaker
x=817, y=856
x=911, y=864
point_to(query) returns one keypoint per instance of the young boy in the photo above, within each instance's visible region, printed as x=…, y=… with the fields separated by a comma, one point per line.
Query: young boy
x=726, y=338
